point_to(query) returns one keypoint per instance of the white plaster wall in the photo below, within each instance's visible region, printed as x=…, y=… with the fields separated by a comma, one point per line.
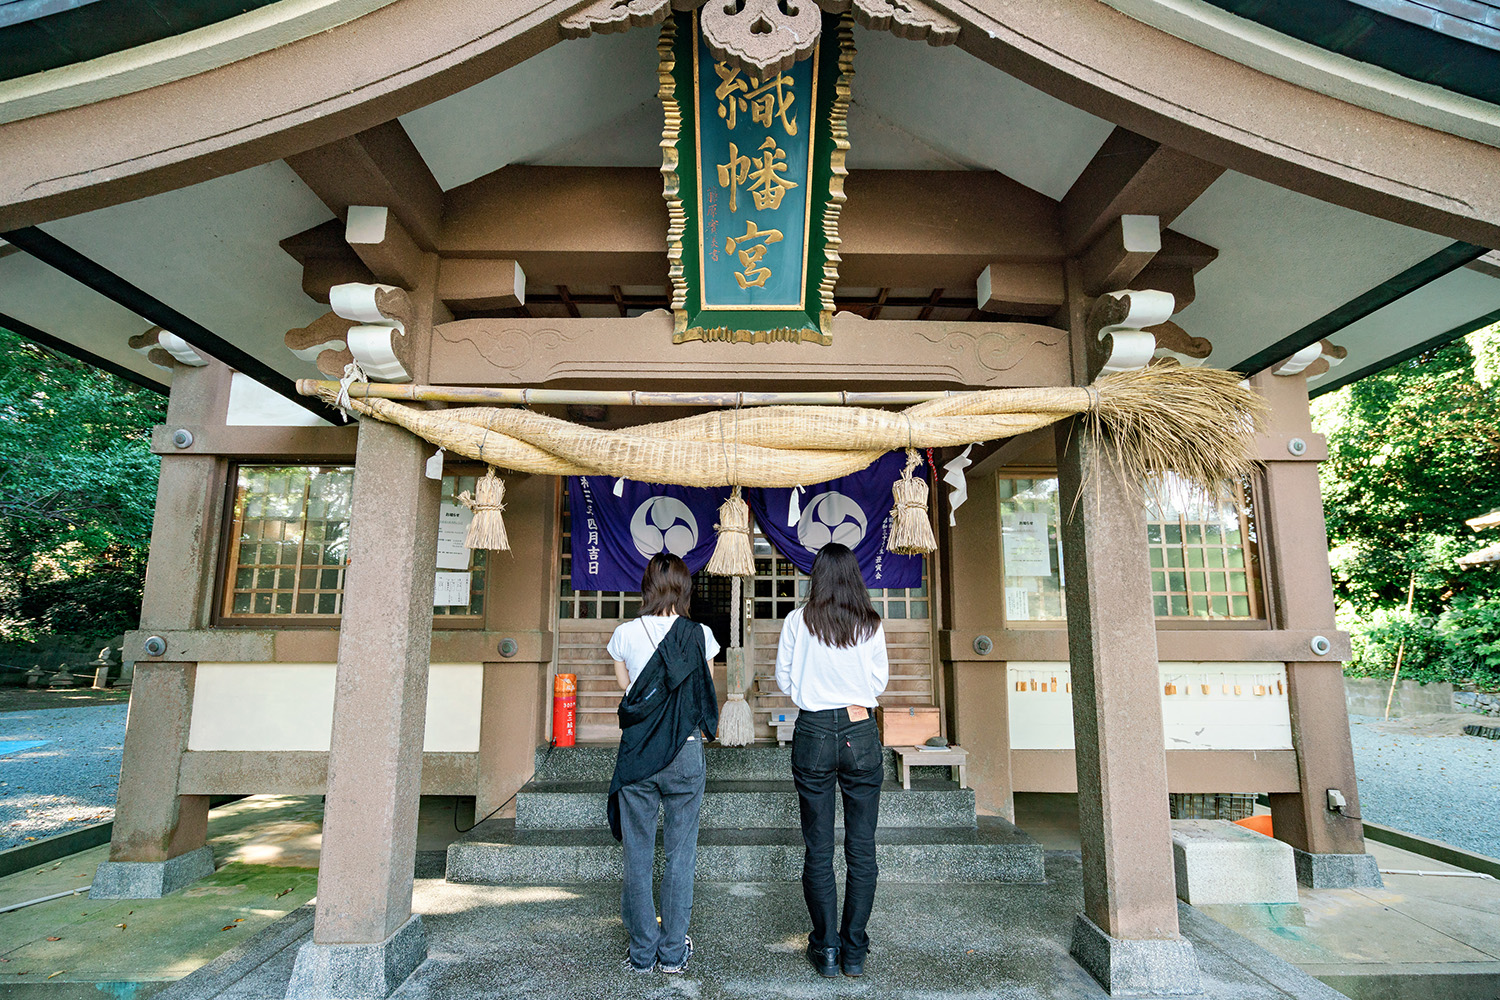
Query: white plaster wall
x=289, y=706
x=1041, y=719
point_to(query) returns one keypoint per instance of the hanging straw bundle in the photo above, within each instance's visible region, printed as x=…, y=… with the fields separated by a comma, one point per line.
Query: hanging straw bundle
x=732, y=552
x=911, y=529
x=487, y=530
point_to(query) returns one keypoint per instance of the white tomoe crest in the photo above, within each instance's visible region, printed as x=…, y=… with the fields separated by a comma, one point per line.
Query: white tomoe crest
x=664, y=524
x=832, y=517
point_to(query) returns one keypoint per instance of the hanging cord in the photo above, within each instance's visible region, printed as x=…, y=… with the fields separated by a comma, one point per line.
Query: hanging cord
x=734, y=616
x=545, y=757
x=352, y=373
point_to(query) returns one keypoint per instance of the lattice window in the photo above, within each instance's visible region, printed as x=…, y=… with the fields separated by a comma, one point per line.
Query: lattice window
x=1204, y=559
x=289, y=543
x=779, y=587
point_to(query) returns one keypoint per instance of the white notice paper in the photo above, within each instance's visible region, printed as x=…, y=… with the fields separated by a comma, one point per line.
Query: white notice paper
x=1027, y=552
x=451, y=590
x=453, y=527
x=1017, y=604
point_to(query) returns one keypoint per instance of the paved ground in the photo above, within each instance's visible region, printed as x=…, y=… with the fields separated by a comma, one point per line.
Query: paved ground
x=934, y=942
x=1423, y=776
x=66, y=779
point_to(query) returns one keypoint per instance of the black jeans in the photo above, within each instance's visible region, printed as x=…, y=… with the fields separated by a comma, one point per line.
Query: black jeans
x=831, y=753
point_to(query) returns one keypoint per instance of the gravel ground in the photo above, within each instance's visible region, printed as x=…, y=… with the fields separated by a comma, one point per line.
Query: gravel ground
x=1421, y=775
x=67, y=783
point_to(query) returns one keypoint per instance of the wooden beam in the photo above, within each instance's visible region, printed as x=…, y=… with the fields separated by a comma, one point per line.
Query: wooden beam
x=326, y=259
x=483, y=285
x=379, y=166
x=591, y=226
x=638, y=353
x=1120, y=253
x=387, y=249
x=1021, y=288
x=1131, y=175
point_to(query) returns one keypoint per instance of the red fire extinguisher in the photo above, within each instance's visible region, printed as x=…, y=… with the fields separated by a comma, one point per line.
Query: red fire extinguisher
x=565, y=710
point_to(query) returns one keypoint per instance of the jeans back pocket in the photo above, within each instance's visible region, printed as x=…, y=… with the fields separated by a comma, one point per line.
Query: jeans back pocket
x=814, y=751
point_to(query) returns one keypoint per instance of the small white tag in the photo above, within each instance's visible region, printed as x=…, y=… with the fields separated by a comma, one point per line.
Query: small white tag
x=619, y=487
x=435, y=465
x=794, y=508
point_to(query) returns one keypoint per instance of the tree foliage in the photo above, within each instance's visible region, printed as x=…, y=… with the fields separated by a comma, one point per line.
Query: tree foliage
x=1414, y=452
x=77, y=492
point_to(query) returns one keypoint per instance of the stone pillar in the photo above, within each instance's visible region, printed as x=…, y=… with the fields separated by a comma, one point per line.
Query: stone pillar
x=1329, y=846
x=157, y=845
x=1127, y=936
x=366, y=940
x=972, y=595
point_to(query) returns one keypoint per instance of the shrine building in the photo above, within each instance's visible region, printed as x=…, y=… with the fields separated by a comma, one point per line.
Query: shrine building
x=620, y=213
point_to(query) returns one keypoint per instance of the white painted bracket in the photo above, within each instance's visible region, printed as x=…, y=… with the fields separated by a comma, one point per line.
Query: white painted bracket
x=378, y=343
x=1299, y=362
x=1120, y=319
x=180, y=349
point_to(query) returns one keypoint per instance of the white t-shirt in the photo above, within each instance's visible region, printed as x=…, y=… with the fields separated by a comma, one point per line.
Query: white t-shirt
x=635, y=641
x=818, y=677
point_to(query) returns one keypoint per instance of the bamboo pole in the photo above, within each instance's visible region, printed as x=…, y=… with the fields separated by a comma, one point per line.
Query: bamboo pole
x=1411, y=591
x=495, y=395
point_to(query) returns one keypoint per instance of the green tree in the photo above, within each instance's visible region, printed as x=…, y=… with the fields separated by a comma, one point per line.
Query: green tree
x=77, y=491
x=1414, y=452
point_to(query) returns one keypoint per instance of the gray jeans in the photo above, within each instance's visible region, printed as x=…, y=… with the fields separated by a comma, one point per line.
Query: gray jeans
x=678, y=788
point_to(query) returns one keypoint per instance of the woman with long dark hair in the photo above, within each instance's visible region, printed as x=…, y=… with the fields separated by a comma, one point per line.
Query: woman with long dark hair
x=661, y=662
x=832, y=663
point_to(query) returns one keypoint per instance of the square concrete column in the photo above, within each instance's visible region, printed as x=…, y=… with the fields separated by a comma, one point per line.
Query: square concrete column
x=366, y=940
x=1127, y=936
x=973, y=593
x=157, y=845
x=1329, y=846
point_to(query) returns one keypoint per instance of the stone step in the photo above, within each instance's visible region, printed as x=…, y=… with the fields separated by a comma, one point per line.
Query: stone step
x=757, y=762
x=565, y=805
x=497, y=852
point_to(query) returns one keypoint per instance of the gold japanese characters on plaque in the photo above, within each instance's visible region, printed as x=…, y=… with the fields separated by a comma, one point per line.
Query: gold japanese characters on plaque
x=754, y=169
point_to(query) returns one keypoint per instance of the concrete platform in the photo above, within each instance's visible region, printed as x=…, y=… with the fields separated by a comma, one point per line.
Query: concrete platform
x=944, y=942
x=1219, y=862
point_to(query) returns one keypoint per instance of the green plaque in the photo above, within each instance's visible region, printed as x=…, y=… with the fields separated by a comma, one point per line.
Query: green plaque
x=754, y=180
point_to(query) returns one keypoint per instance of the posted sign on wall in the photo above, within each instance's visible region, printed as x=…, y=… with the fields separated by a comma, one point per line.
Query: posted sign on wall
x=754, y=171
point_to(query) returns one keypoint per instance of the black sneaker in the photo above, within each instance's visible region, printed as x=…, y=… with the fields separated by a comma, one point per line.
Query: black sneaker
x=687, y=953
x=825, y=960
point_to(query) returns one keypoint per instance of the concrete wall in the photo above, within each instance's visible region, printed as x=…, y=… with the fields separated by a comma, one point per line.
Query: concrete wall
x=1366, y=696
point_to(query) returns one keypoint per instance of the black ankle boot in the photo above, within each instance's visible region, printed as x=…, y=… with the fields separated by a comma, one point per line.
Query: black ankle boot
x=853, y=966
x=825, y=960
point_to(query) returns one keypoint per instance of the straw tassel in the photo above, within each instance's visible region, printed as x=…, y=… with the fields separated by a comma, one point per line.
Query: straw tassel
x=911, y=528
x=487, y=530
x=732, y=553
x=736, y=721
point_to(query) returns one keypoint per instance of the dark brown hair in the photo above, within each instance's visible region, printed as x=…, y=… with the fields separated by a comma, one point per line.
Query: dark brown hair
x=839, y=612
x=666, y=585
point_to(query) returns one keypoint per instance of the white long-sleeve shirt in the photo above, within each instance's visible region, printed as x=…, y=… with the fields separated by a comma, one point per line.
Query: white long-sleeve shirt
x=818, y=677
